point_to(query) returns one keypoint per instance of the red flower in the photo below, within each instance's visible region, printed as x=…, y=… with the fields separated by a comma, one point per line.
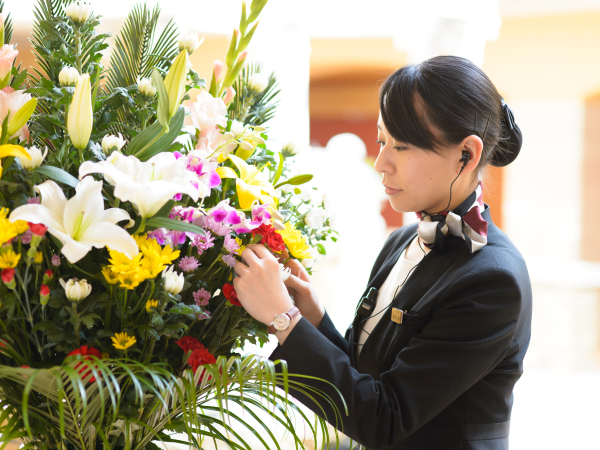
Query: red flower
x=188, y=343
x=230, y=294
x=37, y=228
x=49, y=273
x=270, y=237
x=8, y=275
x=86, y=352
x=44, y=290
x=199, y=357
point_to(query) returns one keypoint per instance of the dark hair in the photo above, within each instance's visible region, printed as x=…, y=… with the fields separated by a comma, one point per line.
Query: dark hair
x=457, y=99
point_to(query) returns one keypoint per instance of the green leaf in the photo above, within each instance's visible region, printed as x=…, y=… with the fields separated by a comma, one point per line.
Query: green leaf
x=297, y=180
x=144, y=139
x=166, y=141
x=184, y=309
x=19, y=79
x=162, y=111
x=172, y=224
x=279, y=169
x=57, y=174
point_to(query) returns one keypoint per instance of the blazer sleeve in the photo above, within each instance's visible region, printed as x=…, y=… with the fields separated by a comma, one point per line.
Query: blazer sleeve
x=466, y=336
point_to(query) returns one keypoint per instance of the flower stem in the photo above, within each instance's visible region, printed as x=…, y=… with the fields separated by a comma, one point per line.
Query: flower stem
x=78, y=48
x=123, y=314
x=78, y=326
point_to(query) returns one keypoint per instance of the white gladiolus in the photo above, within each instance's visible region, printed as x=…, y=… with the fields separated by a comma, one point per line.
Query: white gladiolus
x=145, y=87
x=112, y=142
x=173, y=281
x=190, y=42
x=36, y=158
x=76, y=290
x=78, y=12
x=257, y=83
x=315, y=218
x=68, y=76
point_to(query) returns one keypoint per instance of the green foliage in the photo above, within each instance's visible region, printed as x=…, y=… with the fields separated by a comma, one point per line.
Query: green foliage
x=250, y=108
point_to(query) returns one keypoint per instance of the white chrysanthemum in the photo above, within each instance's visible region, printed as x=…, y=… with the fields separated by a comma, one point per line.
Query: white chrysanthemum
x=257, y=83
x=78, y=12
x=112, y=142
x=76, y=290
x=36, y=158
x=315, y=218
x=173, y=281
x=190, y=42
x=145, y=87
x=68, y=76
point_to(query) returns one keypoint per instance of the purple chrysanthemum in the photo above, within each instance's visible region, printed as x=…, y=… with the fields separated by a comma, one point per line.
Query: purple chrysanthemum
x=188, y=263
x=202, y=243
x=229, y=260
x=231, y=244
x=201, y=297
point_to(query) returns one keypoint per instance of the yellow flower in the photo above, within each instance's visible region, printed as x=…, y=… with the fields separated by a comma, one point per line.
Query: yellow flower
x=9, y=259
x=131, y=279
x=294, y=240
x=10, y=230
x=252, y=184
x=39, y=258
x=151, y=304
x=156, y=258
x=123, y=341
x=12, y=150
x=109, y=275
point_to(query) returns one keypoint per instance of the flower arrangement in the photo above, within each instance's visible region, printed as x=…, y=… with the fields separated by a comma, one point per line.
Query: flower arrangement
x=119, y=227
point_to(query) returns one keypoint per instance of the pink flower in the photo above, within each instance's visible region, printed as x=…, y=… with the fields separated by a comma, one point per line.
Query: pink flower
x=215, y=227
x=231, y=244
x=260, y=215
x=229, y=260
x=7, y=57
x=166, y=237
x=229, y=94
x=11, y=100
x=188, y=263
x=225, y=213
x=207, y=113
x=204, y=168
x=201, y=297
x=202, y=243
x=55, y=260
x=26, y=238
x=219, y=70
x=33, y=201
x=203, y=315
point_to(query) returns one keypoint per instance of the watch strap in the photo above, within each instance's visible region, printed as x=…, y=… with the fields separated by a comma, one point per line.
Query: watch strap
x=291, y=314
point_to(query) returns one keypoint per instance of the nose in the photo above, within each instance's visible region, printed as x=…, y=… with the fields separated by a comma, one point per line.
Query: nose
x=383, y=163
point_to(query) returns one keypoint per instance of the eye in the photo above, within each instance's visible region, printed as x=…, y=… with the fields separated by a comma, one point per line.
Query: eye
x=400, y=148
x=380, y=143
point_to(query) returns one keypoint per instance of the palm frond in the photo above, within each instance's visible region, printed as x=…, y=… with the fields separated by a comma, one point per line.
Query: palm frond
x=45, y=13
x=8, y=25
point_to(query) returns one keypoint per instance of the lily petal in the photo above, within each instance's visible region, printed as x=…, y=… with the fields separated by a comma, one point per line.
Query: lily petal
x=39, y=214
x=13, y=150
x=114, y=215
x=85, y=207
x=106, y=234
x=226, y=172
x=53, y=197
x=246, y=193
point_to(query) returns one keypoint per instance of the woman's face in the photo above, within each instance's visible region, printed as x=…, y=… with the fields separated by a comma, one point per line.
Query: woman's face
x=419, y=180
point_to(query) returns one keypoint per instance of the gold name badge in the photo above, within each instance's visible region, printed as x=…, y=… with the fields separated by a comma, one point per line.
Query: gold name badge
x=397, y=315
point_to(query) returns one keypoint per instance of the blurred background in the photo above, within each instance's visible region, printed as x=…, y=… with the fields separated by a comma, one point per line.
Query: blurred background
x=542, y=55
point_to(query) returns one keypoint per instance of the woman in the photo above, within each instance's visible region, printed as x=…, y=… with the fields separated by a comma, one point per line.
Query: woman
x=438, y=341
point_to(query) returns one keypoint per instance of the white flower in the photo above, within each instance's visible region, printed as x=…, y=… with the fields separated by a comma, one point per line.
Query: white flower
x=190, y=42
x=257, y=83
x=112, y=142
x=285, y=272
x=207, y=112
x=237, y=129
x=315, y=218
x=145, y=87
x=316, y=197
x=148, y=185
x=76, y=290
x=81, y=222
x=289, y=149
x=68, y=76
x=78, y=12
x=173, y=281
x=36, y=158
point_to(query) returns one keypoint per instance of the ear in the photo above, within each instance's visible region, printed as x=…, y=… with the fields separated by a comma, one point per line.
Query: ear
x=474, y=145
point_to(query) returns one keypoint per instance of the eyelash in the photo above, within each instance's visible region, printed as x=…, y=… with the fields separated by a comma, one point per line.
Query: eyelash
x=396, y=148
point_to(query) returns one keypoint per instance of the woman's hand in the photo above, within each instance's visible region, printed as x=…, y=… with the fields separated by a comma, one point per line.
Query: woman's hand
x=258, y=285
x=300, y=287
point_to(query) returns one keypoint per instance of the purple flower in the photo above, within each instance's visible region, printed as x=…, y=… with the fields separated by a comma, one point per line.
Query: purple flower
x=177, y=155
x=159, y=234
x=231, y=244
x=166, y=237
x=215, y=227
x=55, y=260
x=26, y=238
x=202, y=315
x=187, y=214
x=188, y=263
x=260, y=215
x=229, y=260
x=225, y=213
x=33, y=201
x=201, y=297
x=202, y=243
x=177, y=197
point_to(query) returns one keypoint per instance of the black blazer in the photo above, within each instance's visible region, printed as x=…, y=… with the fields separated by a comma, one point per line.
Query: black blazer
x=443, y=379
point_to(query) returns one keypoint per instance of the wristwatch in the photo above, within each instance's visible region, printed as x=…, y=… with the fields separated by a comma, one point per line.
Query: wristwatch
x=282, y=321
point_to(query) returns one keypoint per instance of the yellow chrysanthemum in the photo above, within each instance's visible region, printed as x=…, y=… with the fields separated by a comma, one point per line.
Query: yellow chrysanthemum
x=151, y=304
x=123, y=341
x=10, y=230
x=9, y=259
x=295, y=242
x=131, y=279
x=39, y=258
x=163, y=255
x=109, y=275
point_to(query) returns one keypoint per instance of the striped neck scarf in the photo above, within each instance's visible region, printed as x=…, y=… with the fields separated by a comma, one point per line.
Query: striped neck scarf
x=462, y=224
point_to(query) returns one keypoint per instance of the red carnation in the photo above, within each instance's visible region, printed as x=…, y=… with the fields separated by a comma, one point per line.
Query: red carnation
x=37, y=228
x=270, y=237
x=44, y=290
x=188, y=343
x=8, y=275
x=199, y=357
x=86, y=352
x=230, y=294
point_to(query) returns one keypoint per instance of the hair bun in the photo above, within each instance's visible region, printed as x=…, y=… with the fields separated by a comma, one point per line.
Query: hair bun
x=511, y=145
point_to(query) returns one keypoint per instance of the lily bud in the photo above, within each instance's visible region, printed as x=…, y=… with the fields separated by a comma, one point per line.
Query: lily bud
x=80, y=118
x=190, y=42
x=175, y=81
x=112, y=142
x=257, y=83
x=68, y=76
x=78, y=12
x=76, y=290
x=173, y=281
x=218, y=68
x=44, y=295
x=145, y=87
x=36, y=158
x=7, y=57
x=229, y=94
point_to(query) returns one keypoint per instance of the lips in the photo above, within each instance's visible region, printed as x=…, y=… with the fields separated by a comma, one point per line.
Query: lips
x=390, y=190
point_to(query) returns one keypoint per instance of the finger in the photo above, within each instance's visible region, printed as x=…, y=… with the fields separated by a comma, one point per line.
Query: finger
x=249, y=256
x=295, y=283
x=241, y=269
x=297, y=269
x=261, y=251
x=281, y=257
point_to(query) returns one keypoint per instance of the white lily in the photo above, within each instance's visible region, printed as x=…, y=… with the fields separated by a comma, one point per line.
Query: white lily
x=81, y=222
x=148, y=185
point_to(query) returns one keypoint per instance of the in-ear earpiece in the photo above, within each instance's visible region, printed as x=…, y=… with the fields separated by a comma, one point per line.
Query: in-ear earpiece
x=466, y=156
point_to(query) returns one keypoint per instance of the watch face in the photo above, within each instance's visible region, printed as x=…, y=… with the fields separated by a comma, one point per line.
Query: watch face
x=281, y=322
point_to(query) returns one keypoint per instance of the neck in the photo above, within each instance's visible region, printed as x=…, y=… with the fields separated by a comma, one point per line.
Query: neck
x=459, y=194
